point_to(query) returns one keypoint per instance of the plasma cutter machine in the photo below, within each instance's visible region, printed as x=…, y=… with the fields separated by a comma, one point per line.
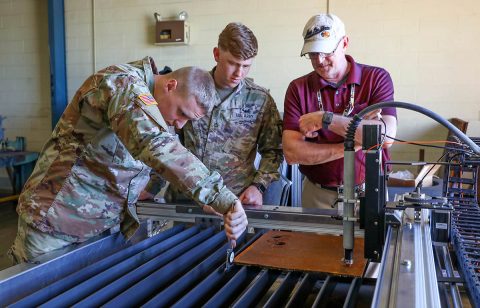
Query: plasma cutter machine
x=180, y=258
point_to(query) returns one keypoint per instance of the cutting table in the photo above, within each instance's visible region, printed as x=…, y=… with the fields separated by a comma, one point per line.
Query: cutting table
x=426, y=251
x=184, y=266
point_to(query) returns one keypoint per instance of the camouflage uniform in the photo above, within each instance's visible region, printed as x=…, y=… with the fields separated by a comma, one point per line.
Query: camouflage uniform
x=98, y=159
x=228, y=138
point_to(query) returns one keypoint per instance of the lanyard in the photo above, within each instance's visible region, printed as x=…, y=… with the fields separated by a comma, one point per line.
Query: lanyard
x=351, y=102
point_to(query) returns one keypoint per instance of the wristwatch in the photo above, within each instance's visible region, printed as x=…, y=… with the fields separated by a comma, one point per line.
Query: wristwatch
x=327, y=119
x=261, y=188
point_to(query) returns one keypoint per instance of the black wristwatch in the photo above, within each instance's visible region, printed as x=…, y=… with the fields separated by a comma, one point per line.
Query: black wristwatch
x=261, y=188
x=327, y=119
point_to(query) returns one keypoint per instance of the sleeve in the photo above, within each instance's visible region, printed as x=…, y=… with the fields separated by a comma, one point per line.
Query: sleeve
x=155, y=184
x=269, y=144
x=149, y=142
x=383, y=91
x=291, y=108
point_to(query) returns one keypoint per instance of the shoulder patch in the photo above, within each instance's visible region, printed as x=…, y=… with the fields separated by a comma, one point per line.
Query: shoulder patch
x=147, y=99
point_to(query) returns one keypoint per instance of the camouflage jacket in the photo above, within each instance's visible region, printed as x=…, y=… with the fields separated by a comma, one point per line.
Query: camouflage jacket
x=97, y=161
x=228, y=138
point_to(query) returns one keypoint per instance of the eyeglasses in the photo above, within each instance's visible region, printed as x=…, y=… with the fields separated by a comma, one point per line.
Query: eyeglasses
x=316, y=55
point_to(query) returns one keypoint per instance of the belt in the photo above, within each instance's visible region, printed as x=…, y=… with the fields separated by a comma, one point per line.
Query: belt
x=331, y=188
x=358, y=188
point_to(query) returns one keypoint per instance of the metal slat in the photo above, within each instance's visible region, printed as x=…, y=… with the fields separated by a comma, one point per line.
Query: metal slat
x=301, y=291
x=98, y=281
x=74, y=279
x=214, y=280
x=167, y=296
x=327, y=288
x=281, y=294
x=259, y=285
x=121, y=283
x=351, y=299
x=26, y=278
x=228, y=291
x=142, y=290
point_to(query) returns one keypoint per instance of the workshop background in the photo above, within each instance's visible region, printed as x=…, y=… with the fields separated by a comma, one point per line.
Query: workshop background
x=429, y=47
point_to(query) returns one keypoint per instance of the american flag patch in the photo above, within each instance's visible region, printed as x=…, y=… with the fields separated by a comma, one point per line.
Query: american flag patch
x=147, y=99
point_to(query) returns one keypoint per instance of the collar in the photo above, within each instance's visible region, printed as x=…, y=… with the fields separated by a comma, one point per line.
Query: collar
x=150, y=69
x=238, y=88
x=236, y=92
x=354, y=76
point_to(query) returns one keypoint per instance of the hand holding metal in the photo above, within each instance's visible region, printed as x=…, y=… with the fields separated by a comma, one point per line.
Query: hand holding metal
x=230, y=251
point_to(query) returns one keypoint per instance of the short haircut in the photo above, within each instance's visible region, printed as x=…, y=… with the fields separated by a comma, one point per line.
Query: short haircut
x=195, y=81
x=239, y=40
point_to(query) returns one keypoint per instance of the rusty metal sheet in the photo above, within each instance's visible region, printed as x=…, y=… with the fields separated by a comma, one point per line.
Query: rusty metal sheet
x=301, y=251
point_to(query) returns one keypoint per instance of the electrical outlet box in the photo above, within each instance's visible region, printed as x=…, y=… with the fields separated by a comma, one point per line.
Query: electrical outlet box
x=170, y=32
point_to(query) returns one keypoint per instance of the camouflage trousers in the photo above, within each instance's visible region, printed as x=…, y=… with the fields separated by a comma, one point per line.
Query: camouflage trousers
x=31, y=243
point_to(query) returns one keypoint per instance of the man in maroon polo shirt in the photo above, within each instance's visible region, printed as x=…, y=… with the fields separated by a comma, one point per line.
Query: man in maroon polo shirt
x=319, y=106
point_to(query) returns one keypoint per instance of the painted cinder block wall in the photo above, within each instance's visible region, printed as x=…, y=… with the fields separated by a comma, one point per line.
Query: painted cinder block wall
x=429, y=47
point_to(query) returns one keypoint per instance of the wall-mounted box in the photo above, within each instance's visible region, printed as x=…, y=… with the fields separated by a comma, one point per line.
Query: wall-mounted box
x=172, y=32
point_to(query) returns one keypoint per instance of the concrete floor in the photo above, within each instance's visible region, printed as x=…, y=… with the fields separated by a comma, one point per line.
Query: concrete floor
x=8, y=231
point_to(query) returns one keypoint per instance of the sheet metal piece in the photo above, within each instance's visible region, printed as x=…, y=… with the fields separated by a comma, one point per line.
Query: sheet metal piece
x=300, y=251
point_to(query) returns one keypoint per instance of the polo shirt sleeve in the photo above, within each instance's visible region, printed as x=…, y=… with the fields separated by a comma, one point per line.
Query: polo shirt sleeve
x=292, y=108
x=383, y=91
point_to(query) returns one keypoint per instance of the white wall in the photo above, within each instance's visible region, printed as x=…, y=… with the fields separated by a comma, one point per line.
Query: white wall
x=126, y=32
x=24, y=71
x=429, y=47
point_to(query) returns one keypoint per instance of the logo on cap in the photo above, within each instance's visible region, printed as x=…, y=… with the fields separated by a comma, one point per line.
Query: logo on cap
x=323, y=30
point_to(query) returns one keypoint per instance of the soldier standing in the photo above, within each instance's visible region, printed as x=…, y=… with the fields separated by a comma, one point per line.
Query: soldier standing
x=97, y=161
x=244, y=121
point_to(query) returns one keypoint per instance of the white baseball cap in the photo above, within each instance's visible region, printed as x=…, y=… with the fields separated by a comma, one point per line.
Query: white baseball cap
x=322, y=33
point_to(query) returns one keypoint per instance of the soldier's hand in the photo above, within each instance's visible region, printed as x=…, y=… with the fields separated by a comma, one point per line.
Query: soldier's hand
x=207, y=209
x=310, y=123
x=236, y=222
x=251, y=196
x=145, y=195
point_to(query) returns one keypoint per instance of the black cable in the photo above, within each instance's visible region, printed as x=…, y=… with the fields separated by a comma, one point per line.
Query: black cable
x=432, y=146
x=453, y=156
x=385, y=134
x=433, y=165
x=349, y=143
